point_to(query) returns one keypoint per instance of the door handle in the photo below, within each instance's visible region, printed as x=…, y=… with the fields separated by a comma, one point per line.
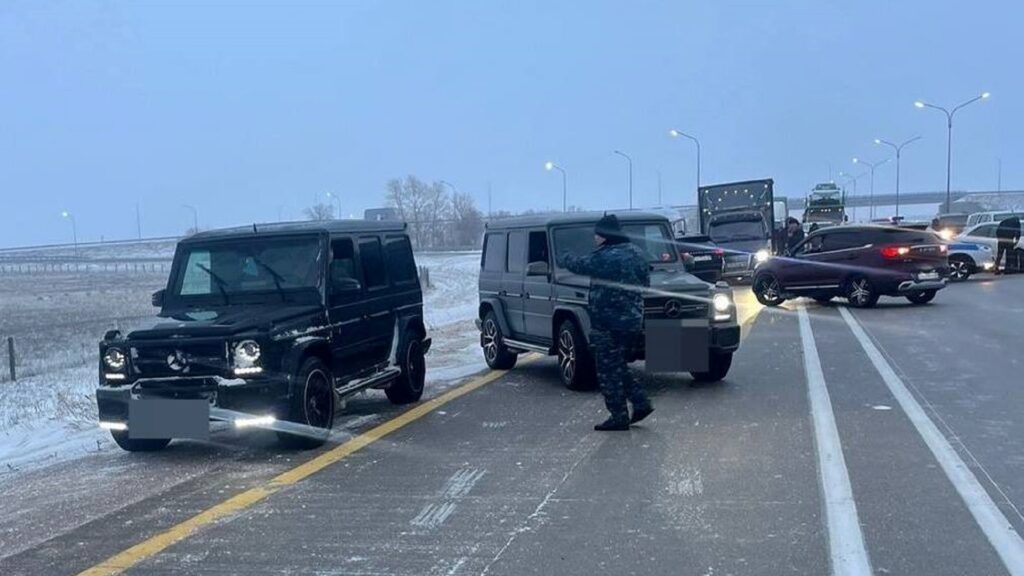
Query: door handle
x=502, y=293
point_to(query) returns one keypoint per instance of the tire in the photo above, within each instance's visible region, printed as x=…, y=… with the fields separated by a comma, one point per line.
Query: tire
x=960, y=269
x=312, y=404
x=860, y=293
x=920, y=298
x=576, y=367
x=718, y=367
x=768, y=290
x=138, y=444
x=497, y=356
x=408, y=387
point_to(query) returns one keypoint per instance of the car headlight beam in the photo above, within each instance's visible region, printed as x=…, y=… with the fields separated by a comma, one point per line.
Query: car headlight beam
x=761, y=255
x=722, y=303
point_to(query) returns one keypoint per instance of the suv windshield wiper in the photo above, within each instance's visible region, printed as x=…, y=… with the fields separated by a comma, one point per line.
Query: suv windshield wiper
x=220, y=282
x=273, y=274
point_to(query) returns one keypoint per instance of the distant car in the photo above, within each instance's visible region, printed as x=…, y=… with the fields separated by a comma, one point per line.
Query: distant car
x=968, y=258
x=859, y=263
x=705, y=259
x=948, y=226
x=992, y=216
x=269, y=327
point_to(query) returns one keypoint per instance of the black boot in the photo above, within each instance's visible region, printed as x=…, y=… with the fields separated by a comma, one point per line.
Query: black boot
x=612, y=423
x=641, y=413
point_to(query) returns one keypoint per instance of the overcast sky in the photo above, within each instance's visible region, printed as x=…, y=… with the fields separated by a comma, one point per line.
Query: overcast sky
x=245, y=110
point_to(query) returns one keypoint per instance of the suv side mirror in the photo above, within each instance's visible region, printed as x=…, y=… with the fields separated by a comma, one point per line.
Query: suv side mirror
x=538, y=269
x=158, y=298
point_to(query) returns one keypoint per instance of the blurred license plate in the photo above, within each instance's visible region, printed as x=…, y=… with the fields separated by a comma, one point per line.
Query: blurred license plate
x=167, y=418
x=928, y=276
x=701, y=258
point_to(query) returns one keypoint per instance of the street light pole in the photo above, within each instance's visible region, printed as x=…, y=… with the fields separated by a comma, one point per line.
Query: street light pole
x=630, y=161
x=851, y=179
x=949, y=133
x=899, y=149
x=195, y=217
x=677, y=133
x=549, y=166
x=871, y=194
x=332, y=196
x=74, y=228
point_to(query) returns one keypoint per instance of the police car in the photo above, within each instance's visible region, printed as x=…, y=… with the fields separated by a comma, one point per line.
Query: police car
x=967, y=258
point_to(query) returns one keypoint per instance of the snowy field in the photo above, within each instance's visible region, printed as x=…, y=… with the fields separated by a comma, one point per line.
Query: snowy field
x=57, y=319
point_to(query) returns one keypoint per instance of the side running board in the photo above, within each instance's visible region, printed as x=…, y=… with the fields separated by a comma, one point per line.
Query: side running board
x=526, y=346
x=369, y=382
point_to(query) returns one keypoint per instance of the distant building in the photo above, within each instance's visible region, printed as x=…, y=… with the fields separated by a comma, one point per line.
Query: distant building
x=381, y=214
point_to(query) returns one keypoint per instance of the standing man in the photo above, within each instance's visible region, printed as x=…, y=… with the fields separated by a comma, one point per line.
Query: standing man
x=1008, y=234
x=794, y=233
x=619, y=274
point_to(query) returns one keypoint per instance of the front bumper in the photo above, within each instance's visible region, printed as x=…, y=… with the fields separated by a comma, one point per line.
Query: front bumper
x=268, y=394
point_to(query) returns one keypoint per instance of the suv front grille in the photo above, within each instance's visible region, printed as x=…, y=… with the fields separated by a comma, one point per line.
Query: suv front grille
x=179, y=360
x=673, y=308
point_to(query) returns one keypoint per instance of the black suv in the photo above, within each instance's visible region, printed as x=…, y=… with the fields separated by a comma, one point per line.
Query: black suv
x=529, y=303
x=859, y=263
x=269, y=326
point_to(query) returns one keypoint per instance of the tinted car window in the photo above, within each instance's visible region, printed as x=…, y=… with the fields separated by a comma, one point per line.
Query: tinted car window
x=654, y=239
x=516, y=251
x=401, y=265
x=494, y=252
x=372, y=259
x=843, y=240
x=538, y=247
x=251, y=266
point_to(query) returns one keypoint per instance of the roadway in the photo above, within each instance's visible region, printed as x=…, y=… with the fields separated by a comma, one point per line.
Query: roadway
x=884, y=441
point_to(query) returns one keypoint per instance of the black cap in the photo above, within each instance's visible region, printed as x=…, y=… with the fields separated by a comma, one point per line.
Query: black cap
x=608, y=228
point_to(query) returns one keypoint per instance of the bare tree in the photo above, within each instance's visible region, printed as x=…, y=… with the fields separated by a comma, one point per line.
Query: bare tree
x=423, y=206
x=467, y=221
x=320, y=212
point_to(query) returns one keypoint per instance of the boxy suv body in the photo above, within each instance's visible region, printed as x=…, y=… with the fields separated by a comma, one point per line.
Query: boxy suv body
x=529, y=303
x=269, y=326
x=859, y=263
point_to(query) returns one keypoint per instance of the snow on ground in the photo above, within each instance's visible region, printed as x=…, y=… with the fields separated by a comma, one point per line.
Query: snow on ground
x=57, y=318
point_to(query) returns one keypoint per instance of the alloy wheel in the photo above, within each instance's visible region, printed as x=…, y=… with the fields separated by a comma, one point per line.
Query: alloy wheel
x=567, y=355
x=860, y=291
x=490, y=340
x=318, y=400
x=958, y=269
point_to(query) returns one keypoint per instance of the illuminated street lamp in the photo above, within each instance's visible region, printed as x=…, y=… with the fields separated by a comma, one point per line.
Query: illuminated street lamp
x=74, y=228
x=949, y=131
x=549, y=166
x=630, y=161
x=331, y=196
x=871, y=194
x=851, y=179
x=676, y=134
x=898, y=148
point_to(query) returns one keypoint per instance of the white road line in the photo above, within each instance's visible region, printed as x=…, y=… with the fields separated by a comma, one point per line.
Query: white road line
x=849, y=556
x=990, y=519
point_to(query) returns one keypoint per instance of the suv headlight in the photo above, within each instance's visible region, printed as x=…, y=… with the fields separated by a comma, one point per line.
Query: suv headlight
x=247, y=354
x=761, y=255
x=722, y=303
x=114, y=359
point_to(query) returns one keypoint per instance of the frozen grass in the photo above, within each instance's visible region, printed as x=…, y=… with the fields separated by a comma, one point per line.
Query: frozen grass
x=57, y=319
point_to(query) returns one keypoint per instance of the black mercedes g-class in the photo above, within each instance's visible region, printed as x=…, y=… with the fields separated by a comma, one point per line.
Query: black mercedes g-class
x=529, y=303
x=269, y=326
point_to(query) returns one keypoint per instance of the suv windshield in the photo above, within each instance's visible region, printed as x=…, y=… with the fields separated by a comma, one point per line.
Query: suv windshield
x=225, y=268
x=740, y=230
x=654, y=239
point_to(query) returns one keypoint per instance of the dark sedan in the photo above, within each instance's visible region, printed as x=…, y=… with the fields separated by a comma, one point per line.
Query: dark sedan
x=859, y=263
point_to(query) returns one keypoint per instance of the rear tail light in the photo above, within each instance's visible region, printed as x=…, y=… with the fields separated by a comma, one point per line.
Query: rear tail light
x=895, y=251
x=719, y=252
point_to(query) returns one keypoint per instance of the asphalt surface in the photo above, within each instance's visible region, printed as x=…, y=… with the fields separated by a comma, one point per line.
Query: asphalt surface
x=747, y=476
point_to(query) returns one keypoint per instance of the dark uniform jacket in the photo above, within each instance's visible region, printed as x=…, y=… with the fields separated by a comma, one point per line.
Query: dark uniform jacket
x=1009, y=230
x=619, y=273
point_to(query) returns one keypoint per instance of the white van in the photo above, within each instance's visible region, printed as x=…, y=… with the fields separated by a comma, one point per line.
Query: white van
x=983, y=217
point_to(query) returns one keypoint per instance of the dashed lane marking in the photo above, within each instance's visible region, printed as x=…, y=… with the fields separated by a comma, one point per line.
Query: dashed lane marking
x=849, y=556
x=160, y=542
x=1000, y=533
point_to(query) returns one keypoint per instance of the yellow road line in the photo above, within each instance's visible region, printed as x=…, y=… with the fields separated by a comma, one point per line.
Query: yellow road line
x=160, y=542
